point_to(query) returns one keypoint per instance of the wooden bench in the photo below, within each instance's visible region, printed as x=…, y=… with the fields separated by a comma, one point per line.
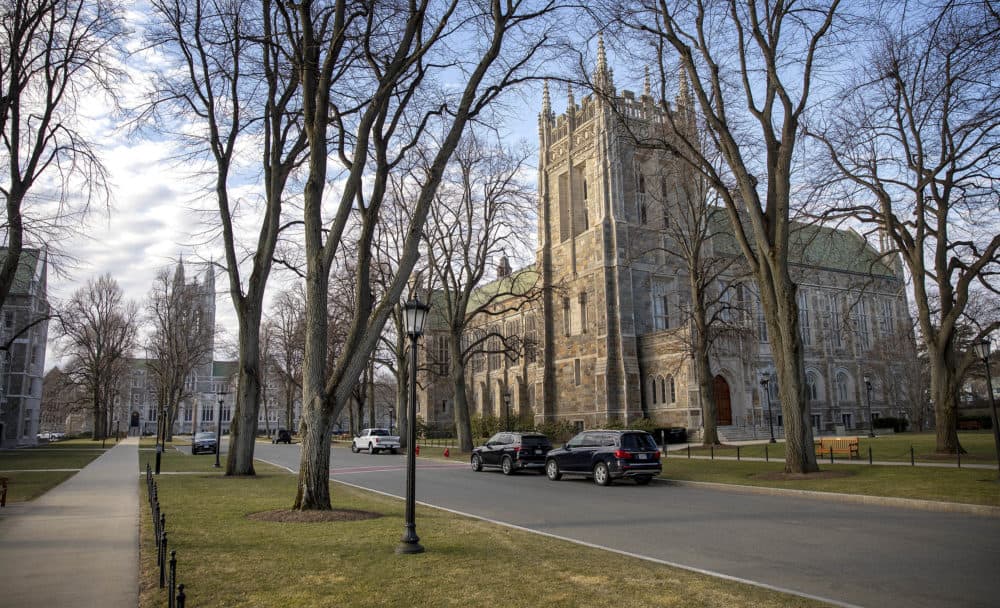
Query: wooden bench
x=838, y=445
x=969, y=425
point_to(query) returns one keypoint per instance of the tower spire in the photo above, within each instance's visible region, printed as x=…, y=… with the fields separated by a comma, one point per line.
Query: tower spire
x=546, y=102
x=603, y=78
x=647, y=89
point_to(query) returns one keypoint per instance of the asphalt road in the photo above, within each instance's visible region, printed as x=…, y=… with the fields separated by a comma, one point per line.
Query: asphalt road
x=847, y=554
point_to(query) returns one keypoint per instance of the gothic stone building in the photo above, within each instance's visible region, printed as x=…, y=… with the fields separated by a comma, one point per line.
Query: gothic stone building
x=608, y=342
x=23, y=335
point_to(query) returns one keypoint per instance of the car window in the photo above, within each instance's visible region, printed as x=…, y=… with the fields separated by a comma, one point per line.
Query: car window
x=638, y=441
x=609, y=439
x=576, y=442
x=380, y=432
x=534, y=440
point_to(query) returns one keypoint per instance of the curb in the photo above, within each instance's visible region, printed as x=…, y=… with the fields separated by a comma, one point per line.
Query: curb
x=862, y=499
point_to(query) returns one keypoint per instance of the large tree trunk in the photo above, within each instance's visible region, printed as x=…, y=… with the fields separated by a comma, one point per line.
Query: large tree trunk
x=314, y=465
x=402, y=373
x=463, y=424
x=945, y=386
x=243, y=426
x=782, y=317
x=702, y=368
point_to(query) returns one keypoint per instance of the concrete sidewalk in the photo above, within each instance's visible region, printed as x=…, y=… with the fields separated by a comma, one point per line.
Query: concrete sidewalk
x=78, y=544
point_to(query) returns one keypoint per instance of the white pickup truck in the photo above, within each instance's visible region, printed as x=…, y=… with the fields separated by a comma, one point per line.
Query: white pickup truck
x=375, y=440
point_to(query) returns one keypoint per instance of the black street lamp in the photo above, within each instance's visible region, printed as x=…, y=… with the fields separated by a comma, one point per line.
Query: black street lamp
x=983, y=351
x=415, y=314
x=160, y=440
x=506, y=402
x=868, y=400
x=765, y=378
x=218, y=427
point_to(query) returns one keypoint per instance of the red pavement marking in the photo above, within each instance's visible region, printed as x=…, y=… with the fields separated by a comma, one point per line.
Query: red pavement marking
x=376, y=469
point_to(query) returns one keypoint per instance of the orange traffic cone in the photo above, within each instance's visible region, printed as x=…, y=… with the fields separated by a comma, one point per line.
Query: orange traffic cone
x=447, y=454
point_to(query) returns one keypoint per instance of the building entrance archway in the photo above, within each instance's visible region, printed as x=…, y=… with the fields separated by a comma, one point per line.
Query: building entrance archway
x=723, y=404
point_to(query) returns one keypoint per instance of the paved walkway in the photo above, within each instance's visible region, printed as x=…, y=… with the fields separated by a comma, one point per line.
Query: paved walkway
x=78, y=544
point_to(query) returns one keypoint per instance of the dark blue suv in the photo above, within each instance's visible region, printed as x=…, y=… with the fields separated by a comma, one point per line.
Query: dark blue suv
x=606, y=455
x=511, y=451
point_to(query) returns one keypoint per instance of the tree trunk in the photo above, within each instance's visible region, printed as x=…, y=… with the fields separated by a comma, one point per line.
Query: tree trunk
x=945, y=387
x=402, y=373
x=782, y=317
x=314, y=465
x=463, y=425
x=702, y=367
x=243, y=425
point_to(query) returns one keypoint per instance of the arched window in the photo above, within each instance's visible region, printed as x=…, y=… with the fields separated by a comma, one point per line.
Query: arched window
x=843, y=386
x=663, y=389
x=652, y=390
x=811, y=390
x=673, y=389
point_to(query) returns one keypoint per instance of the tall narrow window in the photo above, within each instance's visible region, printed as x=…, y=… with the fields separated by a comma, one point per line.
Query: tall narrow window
x=886, y=319
x=583, y=312
x=530, y=339
x=567, y=319
x=673, y=390
x=640, y=199
x=811, y=386
x=805, y=330
x=836, y=335
x=864, y=335
x=842, y=387
x=586, y=207
x=761, y=322
x=576, y=371
x=661, y=306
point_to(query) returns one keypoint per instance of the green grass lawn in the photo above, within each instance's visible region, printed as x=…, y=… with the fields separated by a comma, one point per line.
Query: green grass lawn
x=893, y=448
x=25, y=485
x=226, y=559
x=972, y=486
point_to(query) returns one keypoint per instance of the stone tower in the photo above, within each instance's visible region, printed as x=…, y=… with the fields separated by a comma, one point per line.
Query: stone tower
x=602, y=207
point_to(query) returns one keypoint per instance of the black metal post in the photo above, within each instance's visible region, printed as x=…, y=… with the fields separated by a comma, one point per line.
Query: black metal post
x=868, y=397
x=506, y=402
x=218, y=432
x=767, y=392
x=993, y=408
x=172, y=579
x=181, y=598
x=410, y=542
x=163, y=559
x=159, y=447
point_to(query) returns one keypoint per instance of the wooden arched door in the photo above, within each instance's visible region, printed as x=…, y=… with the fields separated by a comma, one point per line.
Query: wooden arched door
x=723, y=406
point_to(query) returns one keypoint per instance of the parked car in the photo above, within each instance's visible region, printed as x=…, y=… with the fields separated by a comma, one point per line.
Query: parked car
x=204, y=443
x=605, y=456
x=512, y=451
x=282, y=436
x=375, y=440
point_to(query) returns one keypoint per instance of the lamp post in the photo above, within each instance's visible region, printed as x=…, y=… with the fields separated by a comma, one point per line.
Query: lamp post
x=160, y=440
x=506, y=403
x=765, y=378
x=218, y=428
x=415, y=314
x=391, y=410
x=983, y=351
x=868, y=400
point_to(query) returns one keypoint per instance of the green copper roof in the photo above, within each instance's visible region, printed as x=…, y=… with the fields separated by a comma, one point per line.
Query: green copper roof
x=27, y=268
x=818, y=247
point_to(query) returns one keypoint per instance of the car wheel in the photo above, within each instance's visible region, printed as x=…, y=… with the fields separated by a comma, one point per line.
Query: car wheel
x=602, y=476
x=354, y=448
x=372, y=449
x=552, y=470
x=507, y=465
x=643, y=480
x=477, y=463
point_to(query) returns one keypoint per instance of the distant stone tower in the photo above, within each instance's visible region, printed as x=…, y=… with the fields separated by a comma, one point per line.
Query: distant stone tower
x=602, y=207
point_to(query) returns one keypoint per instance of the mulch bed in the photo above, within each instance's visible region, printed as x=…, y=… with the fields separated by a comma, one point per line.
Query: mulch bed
x=782, y=476
x=307, y=517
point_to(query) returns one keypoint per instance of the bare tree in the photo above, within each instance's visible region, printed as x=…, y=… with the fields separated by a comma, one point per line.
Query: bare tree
x=286, y=327
x=97, y=329
x=482, y=211
x=916, y=143
x=367, y=75
x=228, y=76
x=53, y=54
x=180, y=341
x=751, y=68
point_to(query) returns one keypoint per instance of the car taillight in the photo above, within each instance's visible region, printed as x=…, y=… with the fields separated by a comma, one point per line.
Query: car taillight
x=376, y=440
x=657, y=456
x=517, y=450
x=622, y=454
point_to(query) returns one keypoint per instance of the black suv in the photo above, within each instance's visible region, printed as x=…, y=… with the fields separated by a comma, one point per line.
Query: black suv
x=512, y=451
x=282, y=436
x=605, y=456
